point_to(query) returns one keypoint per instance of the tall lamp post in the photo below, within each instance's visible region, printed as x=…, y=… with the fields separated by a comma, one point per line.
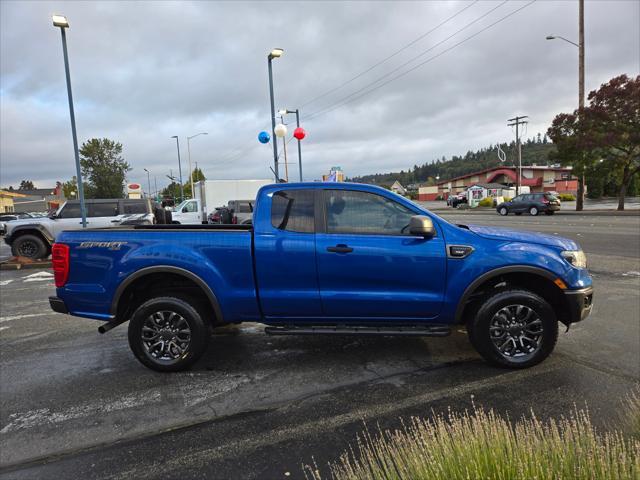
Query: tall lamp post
x=179, y=169
x=148, y=181
x=61, y=21
x=297, y=112
x=580, y=45
x=275, y=53
x=189, y=154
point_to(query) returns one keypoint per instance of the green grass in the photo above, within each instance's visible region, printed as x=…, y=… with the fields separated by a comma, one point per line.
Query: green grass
x=483, y=445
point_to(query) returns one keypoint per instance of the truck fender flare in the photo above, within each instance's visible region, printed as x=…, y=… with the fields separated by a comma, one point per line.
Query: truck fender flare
x=496, y=273
x=213, y=300
x=33, y=226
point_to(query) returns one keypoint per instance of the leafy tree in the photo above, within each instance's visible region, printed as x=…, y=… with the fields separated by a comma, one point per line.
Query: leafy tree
x=26, y=185
x=608, y=129
x=172, y=190
x=69, y=187
x=197, y=175
x=612, y=129
x=104, y=168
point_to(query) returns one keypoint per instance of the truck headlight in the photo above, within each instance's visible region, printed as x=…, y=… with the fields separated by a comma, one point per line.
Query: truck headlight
x=577, y=258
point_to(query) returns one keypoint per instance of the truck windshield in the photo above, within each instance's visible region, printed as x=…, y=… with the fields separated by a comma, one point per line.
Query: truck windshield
x=179, y=207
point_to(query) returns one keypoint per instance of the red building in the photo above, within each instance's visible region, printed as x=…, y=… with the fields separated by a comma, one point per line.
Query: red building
x=538, y=179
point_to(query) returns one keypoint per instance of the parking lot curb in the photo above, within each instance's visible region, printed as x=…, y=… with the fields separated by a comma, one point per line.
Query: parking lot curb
x=25, y=266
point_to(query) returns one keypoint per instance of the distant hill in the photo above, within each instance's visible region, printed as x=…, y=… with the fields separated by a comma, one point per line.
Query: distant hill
x=535, y=150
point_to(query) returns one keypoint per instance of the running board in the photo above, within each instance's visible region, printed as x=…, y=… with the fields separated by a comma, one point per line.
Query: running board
x=417, y=331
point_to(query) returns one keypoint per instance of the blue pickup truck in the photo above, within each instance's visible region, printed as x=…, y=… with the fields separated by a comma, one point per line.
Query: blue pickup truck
x=324, y=258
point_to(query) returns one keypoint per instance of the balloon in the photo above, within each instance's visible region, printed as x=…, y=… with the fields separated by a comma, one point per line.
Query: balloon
x=263, y=137
x=280, y=130
x=299, y=133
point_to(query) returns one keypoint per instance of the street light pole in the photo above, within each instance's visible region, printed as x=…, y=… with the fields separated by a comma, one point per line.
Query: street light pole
x=189, y=153
x=60, y=21
x=580, y=45
x=297, y=112
x=148, y=181
x=179, y=169
x=275, y=53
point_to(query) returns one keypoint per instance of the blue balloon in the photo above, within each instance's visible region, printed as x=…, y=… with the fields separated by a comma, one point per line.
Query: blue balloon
x=263, y=137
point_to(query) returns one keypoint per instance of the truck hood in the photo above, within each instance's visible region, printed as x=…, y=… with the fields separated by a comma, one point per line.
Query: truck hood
x=506, y=234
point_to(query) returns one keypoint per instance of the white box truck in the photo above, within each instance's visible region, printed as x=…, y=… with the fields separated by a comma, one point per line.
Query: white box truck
x=210, y=194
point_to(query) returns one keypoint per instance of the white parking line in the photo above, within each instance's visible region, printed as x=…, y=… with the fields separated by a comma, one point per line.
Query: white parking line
x=44, y=416
x=26, y=315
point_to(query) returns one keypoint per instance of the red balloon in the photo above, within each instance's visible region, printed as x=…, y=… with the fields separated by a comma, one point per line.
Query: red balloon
x=299, y=133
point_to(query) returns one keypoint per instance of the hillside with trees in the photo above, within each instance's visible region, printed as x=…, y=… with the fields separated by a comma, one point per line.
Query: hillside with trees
x=534, y=150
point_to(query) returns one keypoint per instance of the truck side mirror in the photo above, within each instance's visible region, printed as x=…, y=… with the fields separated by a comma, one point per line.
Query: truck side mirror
x=422, y=226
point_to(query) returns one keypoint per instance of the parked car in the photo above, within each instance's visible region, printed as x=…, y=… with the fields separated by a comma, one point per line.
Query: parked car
x=9, y=217
x=325, y=258
x=457, y=199
x=533, y=203
x=221, y=215
x=33, y=237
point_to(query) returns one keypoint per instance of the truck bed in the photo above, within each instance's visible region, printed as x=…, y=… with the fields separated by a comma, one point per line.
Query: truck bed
x=221, y=255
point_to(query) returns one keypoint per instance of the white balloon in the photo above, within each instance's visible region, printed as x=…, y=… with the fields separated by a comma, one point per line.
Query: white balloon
x=280, y=130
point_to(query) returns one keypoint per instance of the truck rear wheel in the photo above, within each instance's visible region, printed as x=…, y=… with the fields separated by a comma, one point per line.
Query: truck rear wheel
x=168, y=334
x=514, y=329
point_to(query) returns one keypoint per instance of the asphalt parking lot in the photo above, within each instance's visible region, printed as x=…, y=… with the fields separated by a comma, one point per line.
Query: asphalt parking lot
x=76, y=404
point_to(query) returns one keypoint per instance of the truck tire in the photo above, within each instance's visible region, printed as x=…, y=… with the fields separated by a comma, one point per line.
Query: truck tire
x=514, y=329
x=159, y=214
x=30, y=246
x=168, y=334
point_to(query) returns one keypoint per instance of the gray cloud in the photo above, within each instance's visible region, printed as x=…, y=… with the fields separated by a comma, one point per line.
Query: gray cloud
x=144, y=71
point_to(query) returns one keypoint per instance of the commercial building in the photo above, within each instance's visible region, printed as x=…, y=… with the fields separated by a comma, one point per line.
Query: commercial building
x=536, y=178
x=7, y=199
x=39, y=199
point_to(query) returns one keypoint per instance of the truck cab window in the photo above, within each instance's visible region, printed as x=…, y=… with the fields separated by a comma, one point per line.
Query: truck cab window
x=292, y=210
x=70, y=210
x=365, y=213
x=109, y=209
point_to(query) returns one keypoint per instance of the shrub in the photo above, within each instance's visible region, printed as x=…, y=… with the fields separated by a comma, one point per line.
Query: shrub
x=507, y=199
x=483, y=445
x=486, y=202
x=567, y=197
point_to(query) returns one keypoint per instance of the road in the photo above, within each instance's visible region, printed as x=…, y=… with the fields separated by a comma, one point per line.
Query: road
x=76, y=404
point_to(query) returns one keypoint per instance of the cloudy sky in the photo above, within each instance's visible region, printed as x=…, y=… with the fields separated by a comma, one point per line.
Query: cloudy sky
x=144, y=71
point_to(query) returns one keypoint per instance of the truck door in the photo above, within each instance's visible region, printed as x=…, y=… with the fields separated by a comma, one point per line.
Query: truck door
x=190, y=213
x=368, y=263
x=285, y=255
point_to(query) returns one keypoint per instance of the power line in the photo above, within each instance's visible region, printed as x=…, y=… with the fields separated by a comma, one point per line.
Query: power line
x=386, y=75
x=417, y=39
x=413, y=42
x=342, y=103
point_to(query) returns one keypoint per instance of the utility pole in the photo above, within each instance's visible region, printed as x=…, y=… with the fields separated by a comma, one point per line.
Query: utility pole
x=581, y=181
x=517, y=121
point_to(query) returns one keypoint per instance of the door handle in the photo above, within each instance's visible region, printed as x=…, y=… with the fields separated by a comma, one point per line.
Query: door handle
x=340, y=249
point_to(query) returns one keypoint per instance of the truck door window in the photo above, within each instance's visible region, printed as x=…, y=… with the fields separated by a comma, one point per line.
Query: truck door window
x=109, y=209
x=190, y=207
x=70, y=210
x=365, y=213
x=292, y=210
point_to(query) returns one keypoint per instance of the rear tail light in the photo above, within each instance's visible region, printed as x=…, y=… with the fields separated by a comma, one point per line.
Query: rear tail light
x=60, y=262
x=545, y=200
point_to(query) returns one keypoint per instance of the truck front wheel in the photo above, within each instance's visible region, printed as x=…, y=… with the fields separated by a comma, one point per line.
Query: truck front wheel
x=168, y=334
x=514, y=329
